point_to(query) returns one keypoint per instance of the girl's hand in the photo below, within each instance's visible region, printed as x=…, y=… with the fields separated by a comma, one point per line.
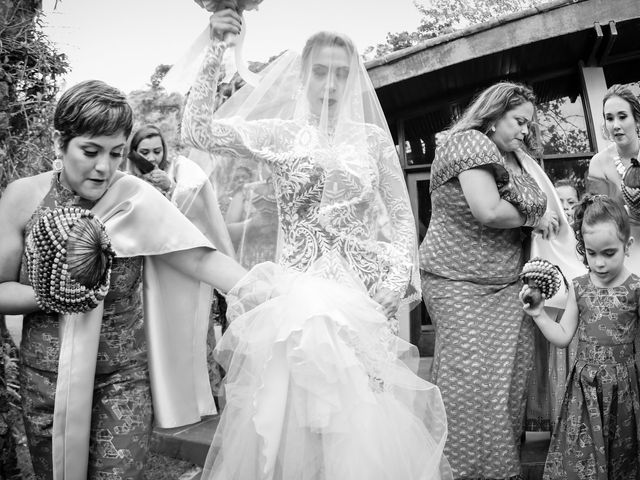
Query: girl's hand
x=225, y=21
x=389, y=301
x=533, y=309
x=548, y=225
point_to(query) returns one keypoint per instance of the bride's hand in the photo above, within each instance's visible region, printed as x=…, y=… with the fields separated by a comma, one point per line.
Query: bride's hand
x=389, y=301
x=225, y=21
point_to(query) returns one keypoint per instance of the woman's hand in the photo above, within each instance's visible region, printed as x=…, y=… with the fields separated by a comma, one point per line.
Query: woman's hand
x=389, y=301
x=159, y=179
x=548, y=225
x=534, y=308
x=225, y=21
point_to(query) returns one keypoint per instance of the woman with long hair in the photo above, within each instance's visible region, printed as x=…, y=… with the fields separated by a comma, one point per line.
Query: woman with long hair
x=486, y=203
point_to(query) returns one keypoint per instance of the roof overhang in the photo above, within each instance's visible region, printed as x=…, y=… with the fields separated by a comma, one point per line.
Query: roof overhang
x=531, y=45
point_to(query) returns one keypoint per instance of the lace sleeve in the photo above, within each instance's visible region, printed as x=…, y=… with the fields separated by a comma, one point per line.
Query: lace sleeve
x=401, y=250
x=199, y=128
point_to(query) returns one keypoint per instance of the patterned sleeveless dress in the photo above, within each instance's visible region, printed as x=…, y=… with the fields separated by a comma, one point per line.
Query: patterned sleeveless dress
x=121, y=419
x=598, y=434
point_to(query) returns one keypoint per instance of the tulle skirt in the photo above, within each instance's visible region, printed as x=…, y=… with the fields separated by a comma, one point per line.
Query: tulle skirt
x=317, y=388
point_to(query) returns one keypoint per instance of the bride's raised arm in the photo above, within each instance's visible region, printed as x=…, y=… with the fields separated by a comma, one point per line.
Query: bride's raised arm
x=199, y=127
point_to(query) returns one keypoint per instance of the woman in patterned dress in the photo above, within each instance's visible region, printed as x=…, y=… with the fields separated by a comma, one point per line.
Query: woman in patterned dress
x=598, y=433
x=93, y=418
x=485, y=205
x=621, y=114
x=317, y=386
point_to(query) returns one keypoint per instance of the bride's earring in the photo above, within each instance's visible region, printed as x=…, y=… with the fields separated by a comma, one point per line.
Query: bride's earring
x=57, y=163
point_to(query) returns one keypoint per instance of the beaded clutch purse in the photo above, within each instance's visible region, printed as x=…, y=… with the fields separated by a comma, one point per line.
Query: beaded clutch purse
x=69, y=258
x=543, y=277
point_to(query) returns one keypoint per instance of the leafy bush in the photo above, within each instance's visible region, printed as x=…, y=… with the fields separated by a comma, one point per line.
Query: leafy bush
x=28, y=89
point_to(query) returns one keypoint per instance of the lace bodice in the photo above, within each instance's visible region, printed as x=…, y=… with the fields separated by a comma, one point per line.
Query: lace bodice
x=329, y=192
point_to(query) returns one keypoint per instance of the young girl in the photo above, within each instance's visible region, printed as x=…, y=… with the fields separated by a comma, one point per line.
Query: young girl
x=569, y=197
x=598, y=433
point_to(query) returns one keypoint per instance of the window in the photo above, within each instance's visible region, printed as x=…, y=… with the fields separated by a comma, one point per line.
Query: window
x=563, y=128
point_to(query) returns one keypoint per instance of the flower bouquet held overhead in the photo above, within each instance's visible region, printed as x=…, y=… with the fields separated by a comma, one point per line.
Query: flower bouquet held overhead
x=181, y=75
x=234, y=40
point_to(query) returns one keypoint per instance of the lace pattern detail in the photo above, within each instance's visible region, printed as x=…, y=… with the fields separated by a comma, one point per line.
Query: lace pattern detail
x=309, y=168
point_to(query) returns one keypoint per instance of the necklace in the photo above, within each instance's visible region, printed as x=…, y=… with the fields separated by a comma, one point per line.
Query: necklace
x=617, y=160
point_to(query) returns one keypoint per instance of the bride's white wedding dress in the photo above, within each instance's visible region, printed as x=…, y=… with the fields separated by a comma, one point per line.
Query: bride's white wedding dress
x=317, y=385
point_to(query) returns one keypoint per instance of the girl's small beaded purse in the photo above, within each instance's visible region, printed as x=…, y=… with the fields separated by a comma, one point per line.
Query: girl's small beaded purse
x=543, y=277
x=69, y=258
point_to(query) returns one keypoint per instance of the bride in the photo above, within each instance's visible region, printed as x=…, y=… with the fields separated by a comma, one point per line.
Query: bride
x=318, y=385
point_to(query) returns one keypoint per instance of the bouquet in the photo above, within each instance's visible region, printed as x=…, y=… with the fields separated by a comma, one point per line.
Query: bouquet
x=543, y=277
x=241, y=5
x=69, y=258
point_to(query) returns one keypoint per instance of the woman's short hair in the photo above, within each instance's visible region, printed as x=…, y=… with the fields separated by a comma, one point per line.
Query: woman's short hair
x=149, y=131
x=491, y=105
x=92, y=108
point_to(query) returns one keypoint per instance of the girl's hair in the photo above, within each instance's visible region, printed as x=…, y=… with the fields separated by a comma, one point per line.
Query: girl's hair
x=92, y=108
x=149, y=131
x=625, y=94
x=491, y=105
x=567, y=182
x=594, y=209
x=325, y=39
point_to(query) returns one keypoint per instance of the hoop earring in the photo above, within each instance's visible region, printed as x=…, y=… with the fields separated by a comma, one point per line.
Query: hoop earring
x=57, y=164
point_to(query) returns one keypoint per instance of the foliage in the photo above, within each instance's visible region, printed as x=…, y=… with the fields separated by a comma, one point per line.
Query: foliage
x=445, y=16
x=563, y=131
x=154, y=105
x=30, y=67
